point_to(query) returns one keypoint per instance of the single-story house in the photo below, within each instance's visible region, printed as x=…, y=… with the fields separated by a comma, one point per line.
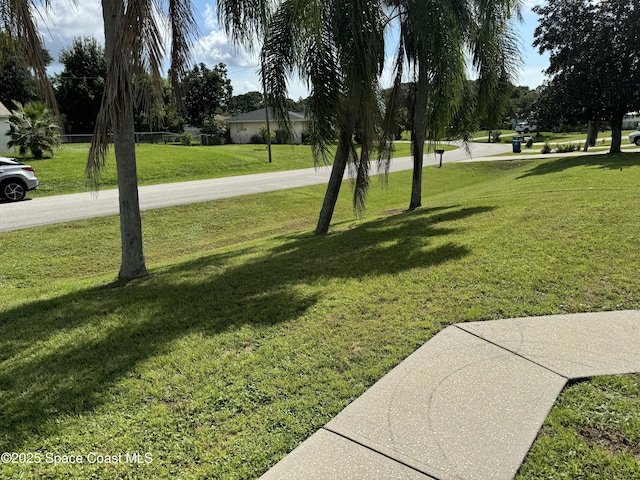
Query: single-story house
x=245, y=126
x=4, y=128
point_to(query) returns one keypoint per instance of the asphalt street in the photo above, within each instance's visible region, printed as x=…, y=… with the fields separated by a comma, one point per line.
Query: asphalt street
x=65, y=208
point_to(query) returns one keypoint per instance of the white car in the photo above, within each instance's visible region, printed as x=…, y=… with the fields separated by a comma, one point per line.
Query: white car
x=524, y=127
x=634, y=137
x=16, y=179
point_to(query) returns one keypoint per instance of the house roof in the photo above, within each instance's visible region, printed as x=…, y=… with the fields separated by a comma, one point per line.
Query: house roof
x=4, y=111
x=260, y=116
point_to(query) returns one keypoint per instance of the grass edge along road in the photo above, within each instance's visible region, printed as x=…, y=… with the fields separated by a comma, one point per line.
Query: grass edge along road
x=250, y=335
x=157, y=164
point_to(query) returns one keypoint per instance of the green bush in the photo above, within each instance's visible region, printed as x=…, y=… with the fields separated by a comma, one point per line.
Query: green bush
x=186, y=139
x=282, y=136
x=263, y=134
x=566, y=147
x=215, y=131
x=256, y=138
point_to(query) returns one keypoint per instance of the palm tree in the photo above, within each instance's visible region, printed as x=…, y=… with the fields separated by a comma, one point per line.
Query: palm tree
x=435, y=37
x=33, y=128
x=133, y=49
x=339, y=47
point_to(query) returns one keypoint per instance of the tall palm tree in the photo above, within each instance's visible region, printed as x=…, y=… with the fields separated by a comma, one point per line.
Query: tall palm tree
x=435, y=38
x=338, y=46
x=133, y=49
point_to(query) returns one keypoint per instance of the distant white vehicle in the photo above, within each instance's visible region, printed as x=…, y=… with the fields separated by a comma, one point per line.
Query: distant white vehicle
x=16, y=179
x=634, y=137
x=524, y=127
x=631, y=120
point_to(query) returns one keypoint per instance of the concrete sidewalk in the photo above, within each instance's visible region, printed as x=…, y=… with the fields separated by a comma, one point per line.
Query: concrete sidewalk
x=469, y=403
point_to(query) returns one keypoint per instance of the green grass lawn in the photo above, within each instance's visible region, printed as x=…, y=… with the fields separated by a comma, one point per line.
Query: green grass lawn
x=553, y=138
x=65, y=173
x=251, y=333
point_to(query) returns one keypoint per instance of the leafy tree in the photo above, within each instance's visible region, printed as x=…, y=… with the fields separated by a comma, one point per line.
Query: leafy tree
x=33, y=128
x=206, y=92
x=522, y=102
x=80, y=85
x=162, y=114
x=19, y=36
x=403, y=100
x=246, y=102
x=593, y=60
x=17, y=83
x=216, y=131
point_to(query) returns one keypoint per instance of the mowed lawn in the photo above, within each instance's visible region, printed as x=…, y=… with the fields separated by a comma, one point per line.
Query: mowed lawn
x=251, y=333
x=65, y=172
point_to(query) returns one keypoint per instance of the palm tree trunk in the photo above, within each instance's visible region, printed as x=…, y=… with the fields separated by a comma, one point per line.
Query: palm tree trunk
x=335, y=181
x=133, y=264
x=418, y=136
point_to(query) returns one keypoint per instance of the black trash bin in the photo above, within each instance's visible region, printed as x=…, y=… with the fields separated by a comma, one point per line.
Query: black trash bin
x=516, y=143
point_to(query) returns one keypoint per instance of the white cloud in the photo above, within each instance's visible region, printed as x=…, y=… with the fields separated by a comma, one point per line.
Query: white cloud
x=64, y=21
x=214, y=47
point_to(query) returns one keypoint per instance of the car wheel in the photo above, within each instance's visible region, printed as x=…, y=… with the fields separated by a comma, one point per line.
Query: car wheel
x=526, y=130
x=637, y=141
x=13, y=191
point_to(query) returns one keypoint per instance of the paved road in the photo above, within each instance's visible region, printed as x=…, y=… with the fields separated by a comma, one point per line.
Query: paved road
x=64, y=208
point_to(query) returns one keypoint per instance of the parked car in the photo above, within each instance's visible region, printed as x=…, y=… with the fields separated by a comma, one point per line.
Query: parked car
x=524, y=127
x=634, y=137
x=16, y=179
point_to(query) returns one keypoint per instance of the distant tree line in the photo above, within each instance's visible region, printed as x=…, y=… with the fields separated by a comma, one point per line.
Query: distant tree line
x=79, y=87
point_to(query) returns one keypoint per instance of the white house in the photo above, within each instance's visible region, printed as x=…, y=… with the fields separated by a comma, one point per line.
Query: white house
x=4, y=128
x=244, y=126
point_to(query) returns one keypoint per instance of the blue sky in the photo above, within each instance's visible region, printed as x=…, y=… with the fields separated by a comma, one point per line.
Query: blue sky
x=67, y=21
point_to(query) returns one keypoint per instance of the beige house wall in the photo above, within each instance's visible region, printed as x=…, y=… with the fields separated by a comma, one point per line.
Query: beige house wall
x=4, y=128
x=241, y=132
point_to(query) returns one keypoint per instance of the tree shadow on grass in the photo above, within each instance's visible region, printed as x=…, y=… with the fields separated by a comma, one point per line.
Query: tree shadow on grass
x=605, y=161
x=60, y=356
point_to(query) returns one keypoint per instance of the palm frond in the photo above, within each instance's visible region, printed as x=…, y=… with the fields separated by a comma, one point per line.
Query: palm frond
x=244, y=20
x=387, y=135
x=183, y=30
x=17, y=17
x=494, y=45
x=137, y=54
x=277, y=60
